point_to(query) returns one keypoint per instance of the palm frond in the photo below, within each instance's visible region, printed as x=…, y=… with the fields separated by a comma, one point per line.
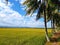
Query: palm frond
x=56, y=2
x=32, y=6
x=27, y=1
x=40, y=11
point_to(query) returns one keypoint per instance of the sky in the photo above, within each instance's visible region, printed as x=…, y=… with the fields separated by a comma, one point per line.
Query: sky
x=13, y=15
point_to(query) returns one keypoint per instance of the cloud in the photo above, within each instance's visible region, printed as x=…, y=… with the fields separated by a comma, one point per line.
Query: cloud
x=23, y=7
x=11, y=18
x=21, y=1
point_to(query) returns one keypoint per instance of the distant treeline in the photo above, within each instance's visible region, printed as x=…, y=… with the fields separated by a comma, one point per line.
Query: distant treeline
x=25, y=27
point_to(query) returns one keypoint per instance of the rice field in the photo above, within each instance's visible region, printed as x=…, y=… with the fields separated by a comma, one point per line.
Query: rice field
x=22, y=36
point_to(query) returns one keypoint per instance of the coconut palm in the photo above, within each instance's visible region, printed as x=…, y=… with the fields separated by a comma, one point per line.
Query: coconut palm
x=33, y=5
x=40, y=6
x=57, y=20
x=52, y=12
x=55, y=5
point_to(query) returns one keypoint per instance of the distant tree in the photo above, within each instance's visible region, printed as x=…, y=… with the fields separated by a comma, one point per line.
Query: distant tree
x=53, y=15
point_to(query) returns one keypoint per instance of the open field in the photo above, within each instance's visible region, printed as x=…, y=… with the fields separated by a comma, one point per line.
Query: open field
x=22, y=36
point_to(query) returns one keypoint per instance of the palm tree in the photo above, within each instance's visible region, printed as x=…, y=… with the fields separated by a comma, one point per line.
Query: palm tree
x=40, y=6
x=55, y=22
x=50, y=11
x=57, y=19
x=34, y=5
x=51, y=14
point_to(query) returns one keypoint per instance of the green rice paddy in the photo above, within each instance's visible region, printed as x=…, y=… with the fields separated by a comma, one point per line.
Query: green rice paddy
x=22, y=36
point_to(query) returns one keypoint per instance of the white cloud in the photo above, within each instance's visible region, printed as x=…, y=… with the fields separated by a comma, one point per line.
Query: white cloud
x=23, y=7
x=11, y=18
x=21, y=1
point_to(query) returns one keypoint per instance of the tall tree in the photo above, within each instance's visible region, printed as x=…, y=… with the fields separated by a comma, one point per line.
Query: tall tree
x=40, y=6
x=52, y=12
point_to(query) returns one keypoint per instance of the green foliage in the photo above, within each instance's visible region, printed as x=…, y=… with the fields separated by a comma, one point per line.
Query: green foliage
x=57, y=2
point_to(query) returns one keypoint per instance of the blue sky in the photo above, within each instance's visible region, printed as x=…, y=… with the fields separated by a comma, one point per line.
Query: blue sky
x=13, y=15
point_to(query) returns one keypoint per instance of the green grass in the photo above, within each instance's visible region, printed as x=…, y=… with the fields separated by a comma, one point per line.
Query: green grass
x=22, y=36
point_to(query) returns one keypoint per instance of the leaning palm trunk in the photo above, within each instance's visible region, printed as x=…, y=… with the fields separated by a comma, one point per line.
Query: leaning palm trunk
x=46, y=32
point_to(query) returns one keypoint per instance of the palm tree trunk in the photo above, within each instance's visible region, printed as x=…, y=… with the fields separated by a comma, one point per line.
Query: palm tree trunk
x=53, y=26
x=46, y=24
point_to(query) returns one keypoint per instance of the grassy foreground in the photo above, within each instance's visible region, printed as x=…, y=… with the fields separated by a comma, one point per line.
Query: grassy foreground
x=22, y=36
